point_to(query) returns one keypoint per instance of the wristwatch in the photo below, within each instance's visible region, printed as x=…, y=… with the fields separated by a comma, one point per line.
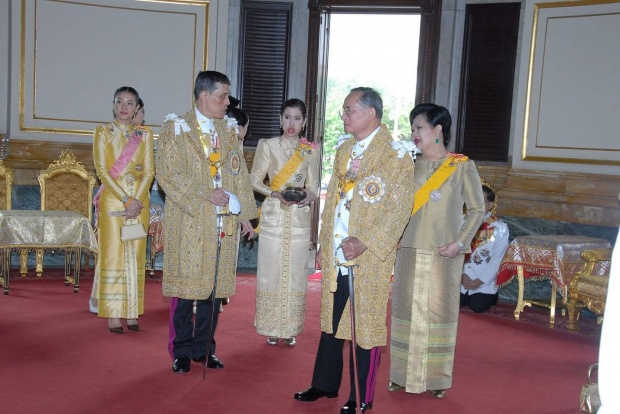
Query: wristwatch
x=125, y=199
x=461, y=245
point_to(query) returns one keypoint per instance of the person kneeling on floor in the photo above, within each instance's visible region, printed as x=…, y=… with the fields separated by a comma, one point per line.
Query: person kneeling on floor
x=478, y=288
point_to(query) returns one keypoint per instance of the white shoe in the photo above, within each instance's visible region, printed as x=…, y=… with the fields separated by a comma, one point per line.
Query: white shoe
x=93, y=305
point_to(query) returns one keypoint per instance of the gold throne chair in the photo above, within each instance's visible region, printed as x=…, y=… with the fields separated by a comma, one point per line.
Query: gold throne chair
x=6, y=187
x=66, y=185
x=6, y=190
x=588, y=289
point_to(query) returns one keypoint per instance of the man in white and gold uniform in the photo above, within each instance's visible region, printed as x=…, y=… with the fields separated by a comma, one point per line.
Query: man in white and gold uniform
x=201, y=169
x=478, y=288
x=368, y=204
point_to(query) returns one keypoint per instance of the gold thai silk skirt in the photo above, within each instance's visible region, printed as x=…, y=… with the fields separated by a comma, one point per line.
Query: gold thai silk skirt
x=120, y=266
x=282, y=269
x=425, y=310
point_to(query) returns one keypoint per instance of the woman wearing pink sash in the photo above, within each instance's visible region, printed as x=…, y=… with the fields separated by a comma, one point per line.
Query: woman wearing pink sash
x=124, y=161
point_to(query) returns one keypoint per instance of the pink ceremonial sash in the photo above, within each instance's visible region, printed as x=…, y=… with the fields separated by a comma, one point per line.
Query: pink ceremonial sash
x=119, y=166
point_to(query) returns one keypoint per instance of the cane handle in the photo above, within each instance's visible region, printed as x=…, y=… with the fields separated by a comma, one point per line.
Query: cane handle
x=346, y=263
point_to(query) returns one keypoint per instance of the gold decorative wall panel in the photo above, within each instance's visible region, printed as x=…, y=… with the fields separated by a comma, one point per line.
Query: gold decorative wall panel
x=572, y=84
x=73, y=55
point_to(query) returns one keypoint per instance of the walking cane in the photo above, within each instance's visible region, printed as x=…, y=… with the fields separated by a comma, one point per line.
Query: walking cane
x=350, y=265
x=220, y=236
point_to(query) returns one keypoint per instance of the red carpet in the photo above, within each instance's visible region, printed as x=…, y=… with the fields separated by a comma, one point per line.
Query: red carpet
x=56, y=357
x=539, y=316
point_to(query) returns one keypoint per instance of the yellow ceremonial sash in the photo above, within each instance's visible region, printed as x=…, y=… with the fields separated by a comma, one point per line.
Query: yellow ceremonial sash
x=287, y=171
x=345, y=184
x=437, y=179
x=282, y=177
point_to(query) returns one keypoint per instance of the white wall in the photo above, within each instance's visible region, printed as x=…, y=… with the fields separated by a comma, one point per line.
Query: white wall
x=568, y=100
x=71, y=71
x=570, y=124
x=75, y=54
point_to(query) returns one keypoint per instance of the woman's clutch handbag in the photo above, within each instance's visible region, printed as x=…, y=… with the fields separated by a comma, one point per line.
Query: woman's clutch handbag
x=589, y=400
x=133, y=231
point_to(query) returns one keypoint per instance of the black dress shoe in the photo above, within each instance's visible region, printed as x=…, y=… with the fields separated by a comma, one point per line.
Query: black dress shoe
x=349, y=407
x=313, y=394
x=133, y=327
x=214, y=362
x=181, y=365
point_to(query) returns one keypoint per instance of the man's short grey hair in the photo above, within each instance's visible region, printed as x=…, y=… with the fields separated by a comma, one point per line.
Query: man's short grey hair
x=370, y=99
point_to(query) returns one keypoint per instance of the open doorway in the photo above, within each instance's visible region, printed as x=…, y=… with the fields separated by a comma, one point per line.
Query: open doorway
x=374, y=50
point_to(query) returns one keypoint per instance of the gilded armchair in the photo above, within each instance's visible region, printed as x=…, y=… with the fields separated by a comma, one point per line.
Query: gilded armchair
x=6, y=187
x=65, y=185
x=6, y=190
x=588, y=290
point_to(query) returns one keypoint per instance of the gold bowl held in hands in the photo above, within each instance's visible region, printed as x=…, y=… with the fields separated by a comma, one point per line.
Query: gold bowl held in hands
x=295, y=194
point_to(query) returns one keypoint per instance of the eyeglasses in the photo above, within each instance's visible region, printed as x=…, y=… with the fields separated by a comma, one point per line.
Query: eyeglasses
x=346, y=112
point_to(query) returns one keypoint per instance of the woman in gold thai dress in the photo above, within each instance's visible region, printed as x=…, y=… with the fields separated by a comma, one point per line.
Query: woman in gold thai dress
x=282, y=271
x=124, y=162
x=429, y=264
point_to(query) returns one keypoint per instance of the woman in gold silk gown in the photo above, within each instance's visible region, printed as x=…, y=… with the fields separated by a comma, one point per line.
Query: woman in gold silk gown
x=427, y=272
x=124, y=162
x=282, y=271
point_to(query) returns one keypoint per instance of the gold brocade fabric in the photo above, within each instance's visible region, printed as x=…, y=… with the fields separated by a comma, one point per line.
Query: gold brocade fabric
x=378, y=225
x=191, y=235
x=549, y=256
x=46, y=229
x=156, y=229
x=282, y=268
x=67, y=191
